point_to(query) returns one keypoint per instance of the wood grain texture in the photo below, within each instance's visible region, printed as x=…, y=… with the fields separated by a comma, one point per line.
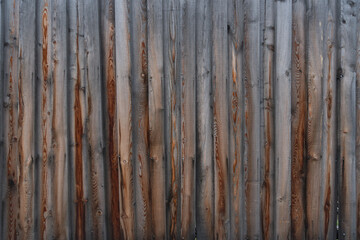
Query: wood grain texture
x=123, y=117
x=298, y=121
x=172, y=118
x=156, y=117
x=204, y=149
x=329, y=99
x=347, y=120
x=268, y=160
x=220, y=120
x=283, y=37
x=187, y=119
x=251, y=71
x=187, y=133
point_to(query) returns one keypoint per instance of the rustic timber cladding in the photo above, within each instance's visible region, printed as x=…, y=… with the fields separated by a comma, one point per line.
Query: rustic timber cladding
x=176, y=119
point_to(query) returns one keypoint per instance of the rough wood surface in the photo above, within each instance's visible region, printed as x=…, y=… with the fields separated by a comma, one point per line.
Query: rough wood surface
x=179, y=119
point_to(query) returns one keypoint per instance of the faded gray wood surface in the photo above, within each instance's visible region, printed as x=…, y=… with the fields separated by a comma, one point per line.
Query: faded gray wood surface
x=174, y=119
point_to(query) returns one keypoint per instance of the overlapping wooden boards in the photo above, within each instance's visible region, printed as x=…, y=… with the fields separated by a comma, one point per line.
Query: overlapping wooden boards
x=179, y=119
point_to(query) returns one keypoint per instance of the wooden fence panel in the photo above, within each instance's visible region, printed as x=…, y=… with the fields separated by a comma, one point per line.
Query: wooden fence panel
x=179, y=119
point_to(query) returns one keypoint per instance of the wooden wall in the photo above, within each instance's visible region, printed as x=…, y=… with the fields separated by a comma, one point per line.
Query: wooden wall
x=176, y=119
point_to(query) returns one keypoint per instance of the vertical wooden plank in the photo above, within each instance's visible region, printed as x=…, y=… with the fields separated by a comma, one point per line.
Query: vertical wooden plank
x=358, y=124
x=156, y=117
x=94, y=169
x=187, y=11
x=282, y=93
x=299, y=120
x=172, y=109
x=347, y=117
x=204, y=150
x=108, y=73
x=123, y=116
x=13, y=112
x=314, y=119
x=220, y=119
x=267, y=192
x=251, y=70
x=141, y=119
x=328, y=194
x=26, y=117
x=3, y=184
x=59, y=139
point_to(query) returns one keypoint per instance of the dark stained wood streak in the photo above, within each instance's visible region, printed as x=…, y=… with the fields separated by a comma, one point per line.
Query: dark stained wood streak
x=220, y=120
x=268, y=114
x=299, y=116
x=80, y=208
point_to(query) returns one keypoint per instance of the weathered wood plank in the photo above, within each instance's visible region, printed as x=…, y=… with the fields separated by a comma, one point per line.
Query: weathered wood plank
x=251, y=69
x=107, y=35
x=141, y=119
x=357, y=127
x=314, y=116
x=220, y=120
x=328, y=194
x=94, y=165
x=267, y=191
x=298, y=121
x=283, y=27
x=347, y=120
x=3, y=185
x=123, y=116
x=172, y=122
x=13, y=113
x=156, y=117
x=204, y=150
x=188, y=137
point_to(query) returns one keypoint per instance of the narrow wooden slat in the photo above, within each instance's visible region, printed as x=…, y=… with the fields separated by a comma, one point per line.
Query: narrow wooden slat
x=314, y=119
x=3, y=184
x=141, y=119
x=347, y=120
x=204, y=159
x=13, y=114
x=357, y=128
x=94, y=164
x=298, y=121
x=172, y=118
x=251, y=71
x=267, y=192
x=59, y=139
x=220, y=120
x=156, y=117
x=123, y=116
x=328, y=195
x=187, y=78
x=283, y=27
x=26, y=117
x=109, y=87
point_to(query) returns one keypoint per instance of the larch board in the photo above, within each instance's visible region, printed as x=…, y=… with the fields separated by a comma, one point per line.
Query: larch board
x=179, y=119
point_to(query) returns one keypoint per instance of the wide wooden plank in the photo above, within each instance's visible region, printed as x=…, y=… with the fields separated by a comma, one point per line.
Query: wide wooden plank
x=141, y=119
x=298, y=121
x=123, y=117
x=328, y=195
x=220, y=120
x=283, y=29
x=156, y=117
x=172, y=116
x=267, y=191
x=13, y=113
x=187, y=78
x=347, y=120
x=251, y=69
x=204, y=150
